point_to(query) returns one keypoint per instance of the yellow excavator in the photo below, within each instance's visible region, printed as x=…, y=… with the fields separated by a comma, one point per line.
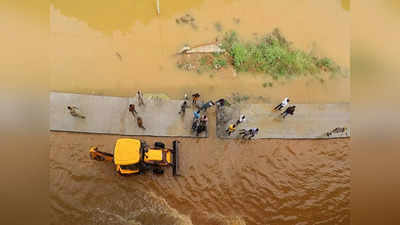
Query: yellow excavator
x=133, y=156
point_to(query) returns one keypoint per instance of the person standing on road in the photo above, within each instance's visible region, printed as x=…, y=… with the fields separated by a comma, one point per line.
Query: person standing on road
x=220, y=102
x=230, y=129
x=196, y=115
x=253, y=132
x=207, y=105
x=139, y=96
x=74, y=111
x=202, y=126
x=290, y=110
x=282, y=104
x=204, y=119
x=195, y=98
x=183, y=108
x=139, y=121
x=132, y=110
x=241, y=119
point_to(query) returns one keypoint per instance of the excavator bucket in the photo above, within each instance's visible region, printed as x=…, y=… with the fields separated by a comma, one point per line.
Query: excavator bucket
x=95, y=154
x=175, y=159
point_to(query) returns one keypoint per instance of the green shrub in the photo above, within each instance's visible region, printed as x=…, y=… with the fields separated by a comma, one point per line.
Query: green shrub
x=203, y=60
x=327, y=64
x=273, y=55
x=219, y=62
x=240, y=55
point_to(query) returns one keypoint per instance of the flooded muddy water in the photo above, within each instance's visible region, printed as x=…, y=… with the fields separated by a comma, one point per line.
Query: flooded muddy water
x=116, y=47
x=224, y=182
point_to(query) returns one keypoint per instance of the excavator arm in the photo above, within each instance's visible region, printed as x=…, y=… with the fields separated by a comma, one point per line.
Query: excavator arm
x=98, y=155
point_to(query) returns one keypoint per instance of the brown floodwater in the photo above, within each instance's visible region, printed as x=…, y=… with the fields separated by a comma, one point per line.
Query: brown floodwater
x=116, y=47
x=223, y=182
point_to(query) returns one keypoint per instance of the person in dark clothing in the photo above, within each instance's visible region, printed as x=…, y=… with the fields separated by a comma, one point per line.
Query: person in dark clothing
x=250, y=133
x=253, y=132
x=195, y=124
x=337, y=130
x=183, y=107
x=244, y=133
x=290, y=110
x=202, y=125
x=195, y=97
x=132, y=110
x=139, y=121
x=220, y=102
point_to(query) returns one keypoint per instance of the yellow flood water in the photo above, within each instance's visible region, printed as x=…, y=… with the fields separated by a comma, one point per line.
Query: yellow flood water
x=115, y=48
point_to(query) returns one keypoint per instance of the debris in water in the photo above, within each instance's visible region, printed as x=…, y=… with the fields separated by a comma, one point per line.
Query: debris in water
x=218, y=26
x=119, y=56
x=236, y=20
x=187, y=19
x=207, y=48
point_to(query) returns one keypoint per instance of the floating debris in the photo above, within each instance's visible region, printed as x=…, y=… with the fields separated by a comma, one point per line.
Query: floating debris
x=207, y=48
x=119, y=56
x=236, y=20
x=187, y=19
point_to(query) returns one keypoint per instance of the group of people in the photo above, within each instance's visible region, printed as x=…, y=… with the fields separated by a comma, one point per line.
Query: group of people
x=132, y=109
x=289, y=110
x=244, y=133
x=250, y=133
x=200, y=119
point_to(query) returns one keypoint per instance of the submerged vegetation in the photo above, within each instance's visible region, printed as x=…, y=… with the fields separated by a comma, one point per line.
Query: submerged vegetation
x=272, y=54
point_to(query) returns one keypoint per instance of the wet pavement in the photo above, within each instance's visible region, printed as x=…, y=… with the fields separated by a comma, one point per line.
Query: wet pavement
x=110, y=115
x=309, y=120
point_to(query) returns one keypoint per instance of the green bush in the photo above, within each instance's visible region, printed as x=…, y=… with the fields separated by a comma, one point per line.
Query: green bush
x=240, y=55
x=274, y=55
x=327, y=64
x=219, y=62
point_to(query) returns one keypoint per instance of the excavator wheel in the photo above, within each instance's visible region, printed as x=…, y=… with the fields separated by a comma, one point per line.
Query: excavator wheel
x=159, y=145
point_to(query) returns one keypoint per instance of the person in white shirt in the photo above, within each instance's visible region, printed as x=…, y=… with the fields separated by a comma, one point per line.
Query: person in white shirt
x=75, y=112
x=282, y=104
x=139, y=96
x=241, y=119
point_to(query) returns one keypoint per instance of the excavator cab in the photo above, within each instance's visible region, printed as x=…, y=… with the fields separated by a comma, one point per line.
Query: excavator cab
x=132, y=156
x=127, y=156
